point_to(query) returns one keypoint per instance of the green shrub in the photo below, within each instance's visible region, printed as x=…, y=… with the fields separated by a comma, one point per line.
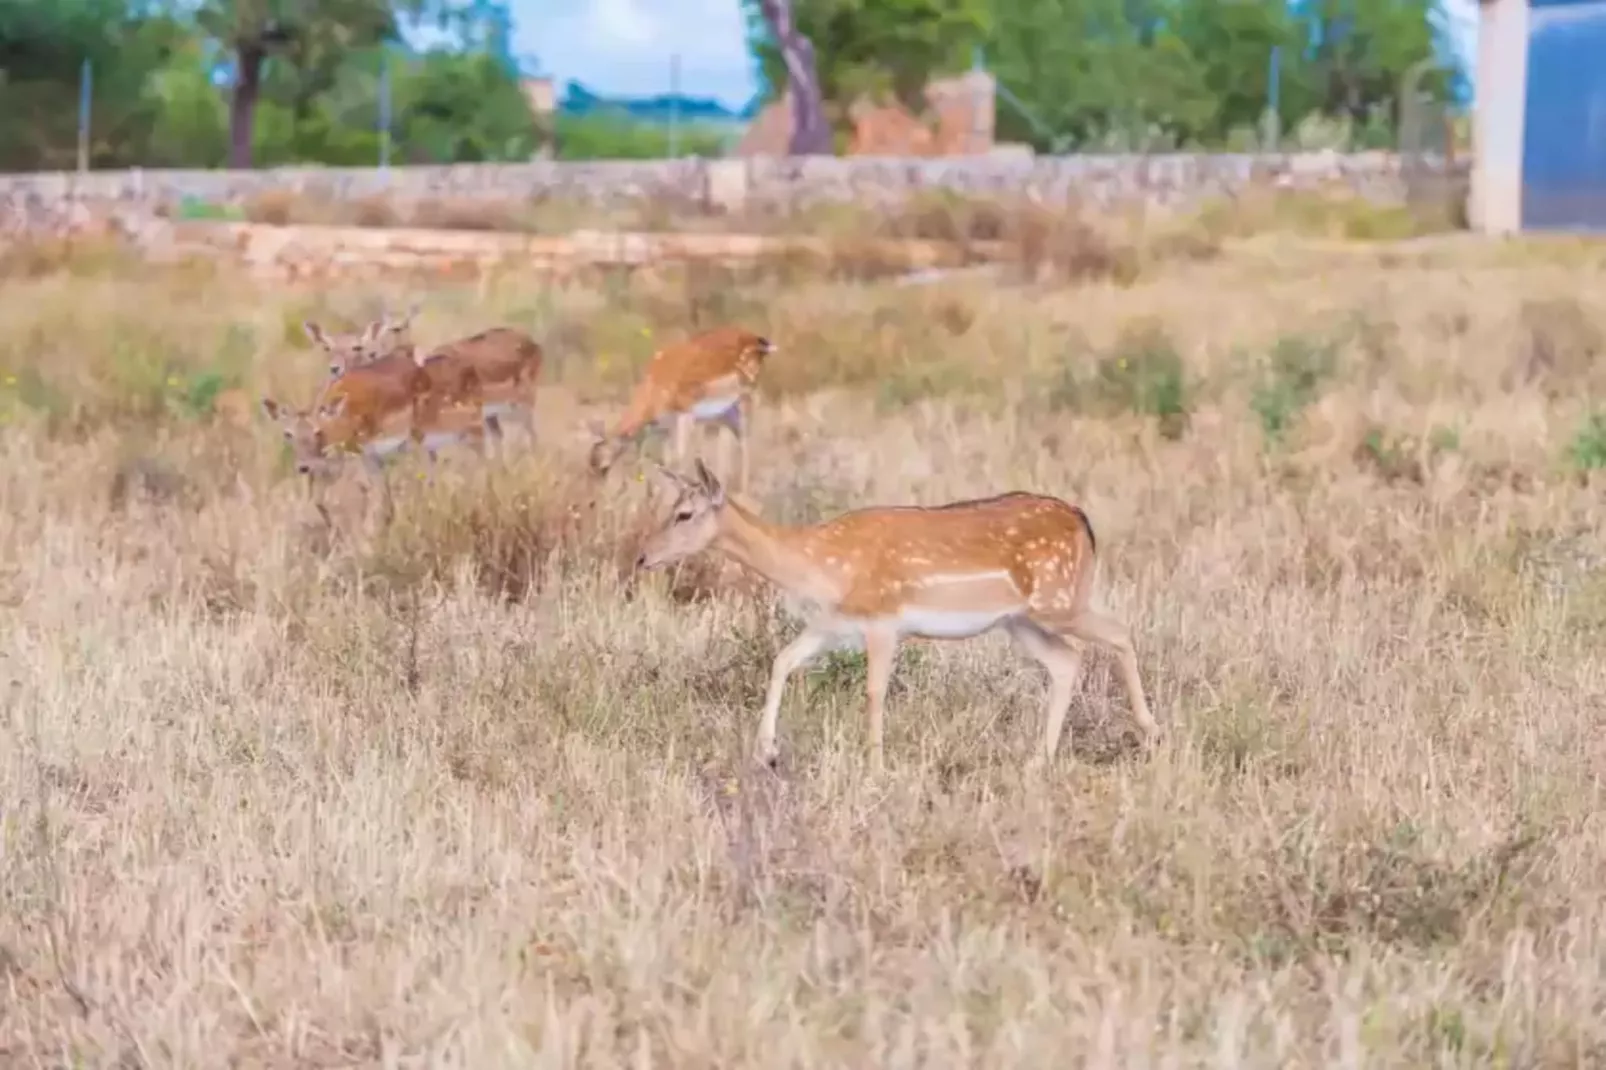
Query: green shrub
x=1588, y=448
x=1296, y=368
x=1143, y=374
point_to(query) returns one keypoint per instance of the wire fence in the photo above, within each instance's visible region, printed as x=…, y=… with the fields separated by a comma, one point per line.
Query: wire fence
x=1421, y=127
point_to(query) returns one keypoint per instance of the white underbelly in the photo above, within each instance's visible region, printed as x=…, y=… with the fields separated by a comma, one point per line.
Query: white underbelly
x=435, y=440
x=714, y=408
x=388, y=446
x=951, y=623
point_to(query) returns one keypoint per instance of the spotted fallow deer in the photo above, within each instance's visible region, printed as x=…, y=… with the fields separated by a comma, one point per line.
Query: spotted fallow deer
x=708, y=378
x=331, y=426
x=319, y=436
x=505, y=361
x=374, y=408
x=378, y=338
x=1023, y=562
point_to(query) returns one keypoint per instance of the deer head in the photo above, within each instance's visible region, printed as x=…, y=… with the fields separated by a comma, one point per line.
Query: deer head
x=693, y=520
x=349, y=350
x=305, y=432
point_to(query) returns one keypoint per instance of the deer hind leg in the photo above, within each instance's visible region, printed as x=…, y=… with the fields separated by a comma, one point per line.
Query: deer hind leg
x=524, y=412
x=880, y=650
x=1098, y=627
x=722, y=458
x=524, y=406
x=492, y=440
x=1064, y=665
x=737, y=420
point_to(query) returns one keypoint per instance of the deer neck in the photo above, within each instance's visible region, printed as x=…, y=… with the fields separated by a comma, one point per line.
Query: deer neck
x=776, y=552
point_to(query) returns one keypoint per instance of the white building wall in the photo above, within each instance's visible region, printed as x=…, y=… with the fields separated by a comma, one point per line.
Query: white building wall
x=1498, y=106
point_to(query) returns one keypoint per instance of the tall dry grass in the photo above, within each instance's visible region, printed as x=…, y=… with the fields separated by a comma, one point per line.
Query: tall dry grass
x=469, y=793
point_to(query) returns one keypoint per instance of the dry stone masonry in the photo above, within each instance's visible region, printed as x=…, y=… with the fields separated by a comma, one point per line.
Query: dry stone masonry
x=126, y=200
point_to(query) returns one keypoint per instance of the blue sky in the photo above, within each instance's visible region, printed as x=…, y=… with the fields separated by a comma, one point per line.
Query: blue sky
x=622, y=47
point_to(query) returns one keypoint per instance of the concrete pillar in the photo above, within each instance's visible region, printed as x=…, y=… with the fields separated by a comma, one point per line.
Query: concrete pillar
x=1499, y=105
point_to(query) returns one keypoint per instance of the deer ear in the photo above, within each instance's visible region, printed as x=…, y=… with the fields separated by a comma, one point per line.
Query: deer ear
x=372, y=332
x=270, y=407
x=315, y=333
x=710, y=485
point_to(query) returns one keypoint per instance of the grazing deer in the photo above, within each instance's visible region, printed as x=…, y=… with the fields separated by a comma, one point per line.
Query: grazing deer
x=505, y=363
x=353, y=349
x=1023, y=562
x=330, y=424
x=373, y=408
x=708, y=378
x=333, y=426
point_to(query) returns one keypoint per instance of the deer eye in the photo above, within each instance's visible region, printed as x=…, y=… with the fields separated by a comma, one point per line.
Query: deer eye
x=683, y=516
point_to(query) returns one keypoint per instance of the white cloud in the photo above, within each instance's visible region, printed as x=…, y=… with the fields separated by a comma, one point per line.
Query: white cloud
x=624, y=24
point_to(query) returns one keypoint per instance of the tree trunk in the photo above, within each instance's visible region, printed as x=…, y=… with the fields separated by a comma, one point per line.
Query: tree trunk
x=811, y=134
x=243, y=105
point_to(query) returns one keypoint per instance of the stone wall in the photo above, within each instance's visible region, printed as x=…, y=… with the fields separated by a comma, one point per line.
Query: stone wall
x=67, y=201
x=312, y=252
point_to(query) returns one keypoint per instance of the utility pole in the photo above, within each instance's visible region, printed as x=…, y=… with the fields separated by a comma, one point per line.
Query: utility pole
x=85, y=82
x=674, y=105
x=384, y=111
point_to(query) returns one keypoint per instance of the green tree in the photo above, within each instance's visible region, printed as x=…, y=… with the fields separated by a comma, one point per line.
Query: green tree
x=464, y=107
x=1089, y=71
x=310, y=35
x=43, y=47
x=191, y=120
x=877, y=47
x=1179, y=72
x=1232, y=42
x=1358, y=50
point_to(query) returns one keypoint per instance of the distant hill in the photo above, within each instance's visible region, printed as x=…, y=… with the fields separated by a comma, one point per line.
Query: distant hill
x=578, y=100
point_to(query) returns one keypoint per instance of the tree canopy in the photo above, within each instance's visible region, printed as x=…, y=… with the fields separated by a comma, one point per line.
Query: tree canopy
x=257, y=83
x=1129, y=73
x=209, y=83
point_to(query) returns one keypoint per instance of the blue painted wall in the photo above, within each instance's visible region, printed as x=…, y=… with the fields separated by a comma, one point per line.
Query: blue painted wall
x=1564, y=125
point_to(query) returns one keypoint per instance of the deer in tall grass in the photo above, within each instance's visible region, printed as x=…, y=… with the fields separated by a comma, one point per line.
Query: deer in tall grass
x=377, y=408
x=374, y=340
x=506, y=362
x=322, y=437
x=709, y=378
x=1023, y=562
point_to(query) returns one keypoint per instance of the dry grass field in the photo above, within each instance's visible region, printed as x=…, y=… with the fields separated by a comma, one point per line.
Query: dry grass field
x=466, y=792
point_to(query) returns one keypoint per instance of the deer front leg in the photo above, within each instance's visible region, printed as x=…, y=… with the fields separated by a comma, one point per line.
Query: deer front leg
x=738, y=419
x=379, y=481
x=681, y=443
x=792, y=657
